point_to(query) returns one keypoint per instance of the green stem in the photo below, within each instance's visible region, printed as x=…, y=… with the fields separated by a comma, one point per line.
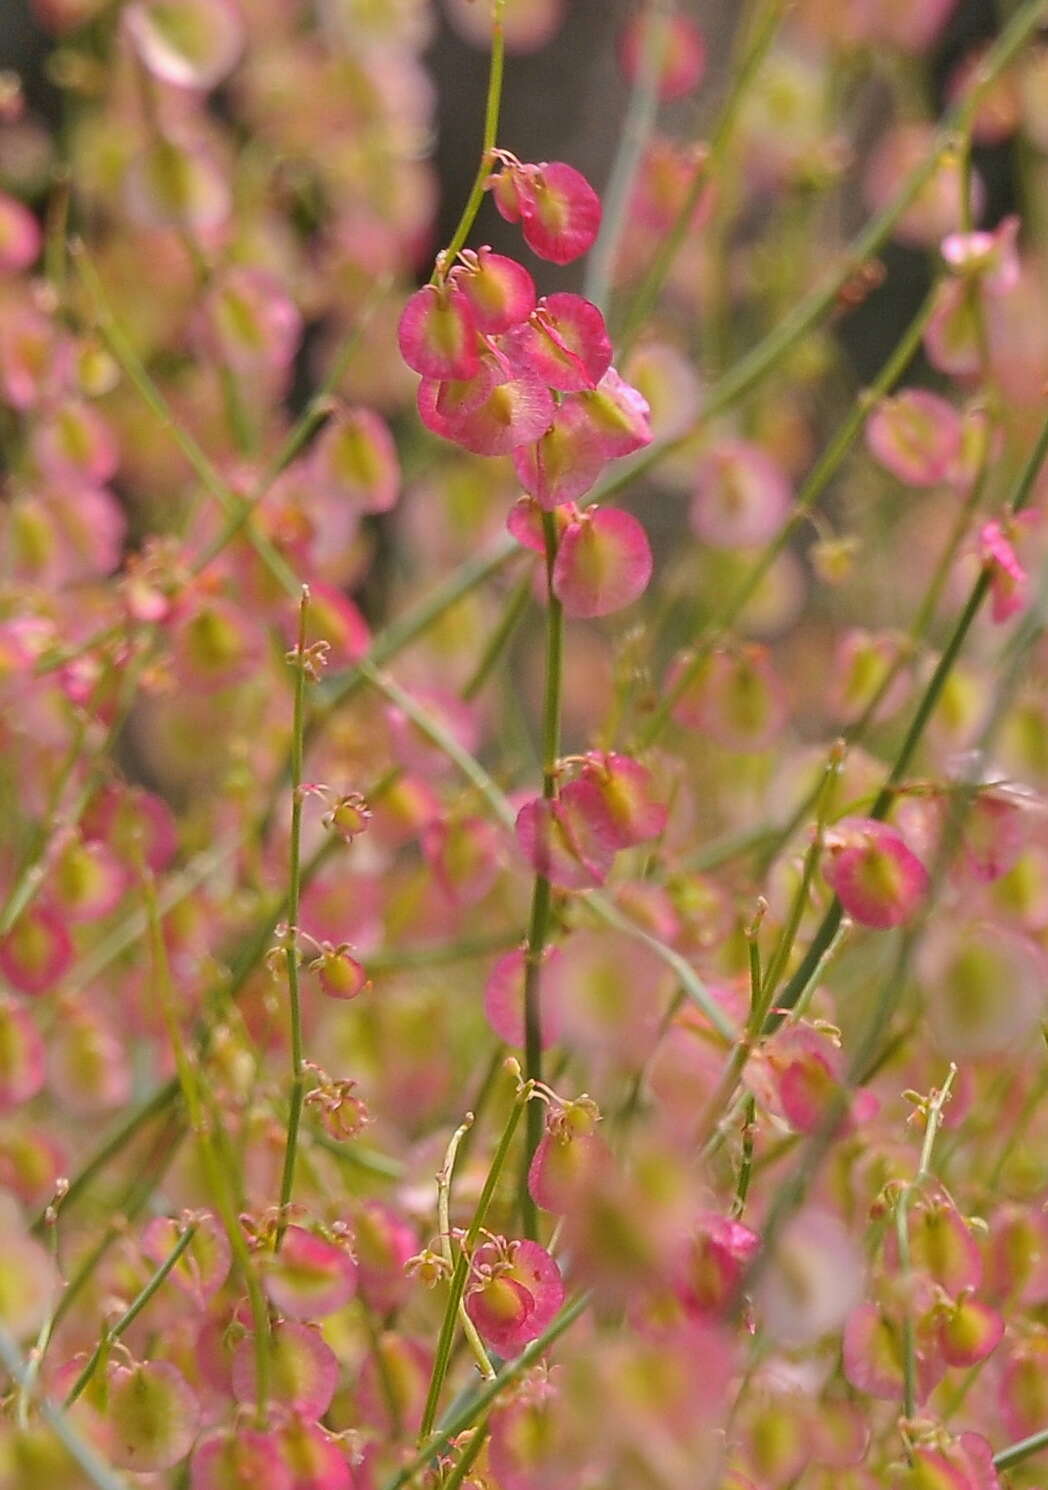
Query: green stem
x=755, y=48
x=100, y=1474
x=478, y=1405
x=542, y=896
x=300, y=663
x=641, y=114
x=491, y=128
x=219, y=1183
x=130, y=1314
x=818, y=479
x=831, y=921
x=457, y=1287
x=1015, y=1453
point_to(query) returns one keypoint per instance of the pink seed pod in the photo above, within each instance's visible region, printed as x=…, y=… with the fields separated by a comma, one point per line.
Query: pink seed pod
x=741, y=497
x=504, y=1000
x=969, y=1331
x=715, y=1259
x=620, y=415
x=964, y=1463
x=88, y=1070
x=862, y=664
x=29, y=1282
x=400, y=1367
x=514, y=1292
x=248, y=321
x=309, y=1277
x=87, y=881
x=681, y=61
x=20, y=236
x=214, y=645
x=916, y=436
x=355, y=460
x=131, y=821
x=558, y=210
x=463, y=857
x=204, y=1266
x=512, y=413
x=500, y=292
x=952, y=341
x=565, y=462
x=669, y=384
x=175, y=186
x=1009, y=581
x=384, y=1241
x=603, y=563
x=442, y=406
x=30, y=1165
x=240, y=1459
x=811, y=1282
x=983, y=988
x=735, y=697
x=437, y=334
x=36, y=357
x=524, y=523
x=317, y=1461
x=339, y=973
x=37, y=952
x=559, y=1167
x=878, y=880
x=1023, y=1389
x=192, y=44
x=990, y=258
x=74, y=446
x=625, y=787
x=942, y=1246
x=151, y=1415
x=608, y=989
x=531, y=1444
x=303, y=1370
x=22, y=1056
x=804, y=1071
x=546, y=837
x=564, y=343
x=528, y=25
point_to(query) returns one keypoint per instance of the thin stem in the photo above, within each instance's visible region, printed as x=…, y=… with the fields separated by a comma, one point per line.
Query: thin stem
x=130, y=1314
x=469, y=1329
x=936, y=1102
x=231, y=503
x=300, y=662
x=477, y=1406
x=457, y=1286
x=491, y=128
x=542, y=897
x=818, y=479
x=500, y=638
x=1015, y=1453
x=218, y=1181
x=641, y=114
x=756, y=47
x=100, y=1474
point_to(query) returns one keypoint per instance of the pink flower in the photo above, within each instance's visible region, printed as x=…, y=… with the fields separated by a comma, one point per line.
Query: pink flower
x=513, y=1293
x=603, y=563
x=558, y=210
x=682, y=60
x=877, y=879
x=1009, y=582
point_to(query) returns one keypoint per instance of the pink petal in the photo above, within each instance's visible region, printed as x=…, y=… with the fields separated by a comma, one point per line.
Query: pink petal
x=603, y=563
